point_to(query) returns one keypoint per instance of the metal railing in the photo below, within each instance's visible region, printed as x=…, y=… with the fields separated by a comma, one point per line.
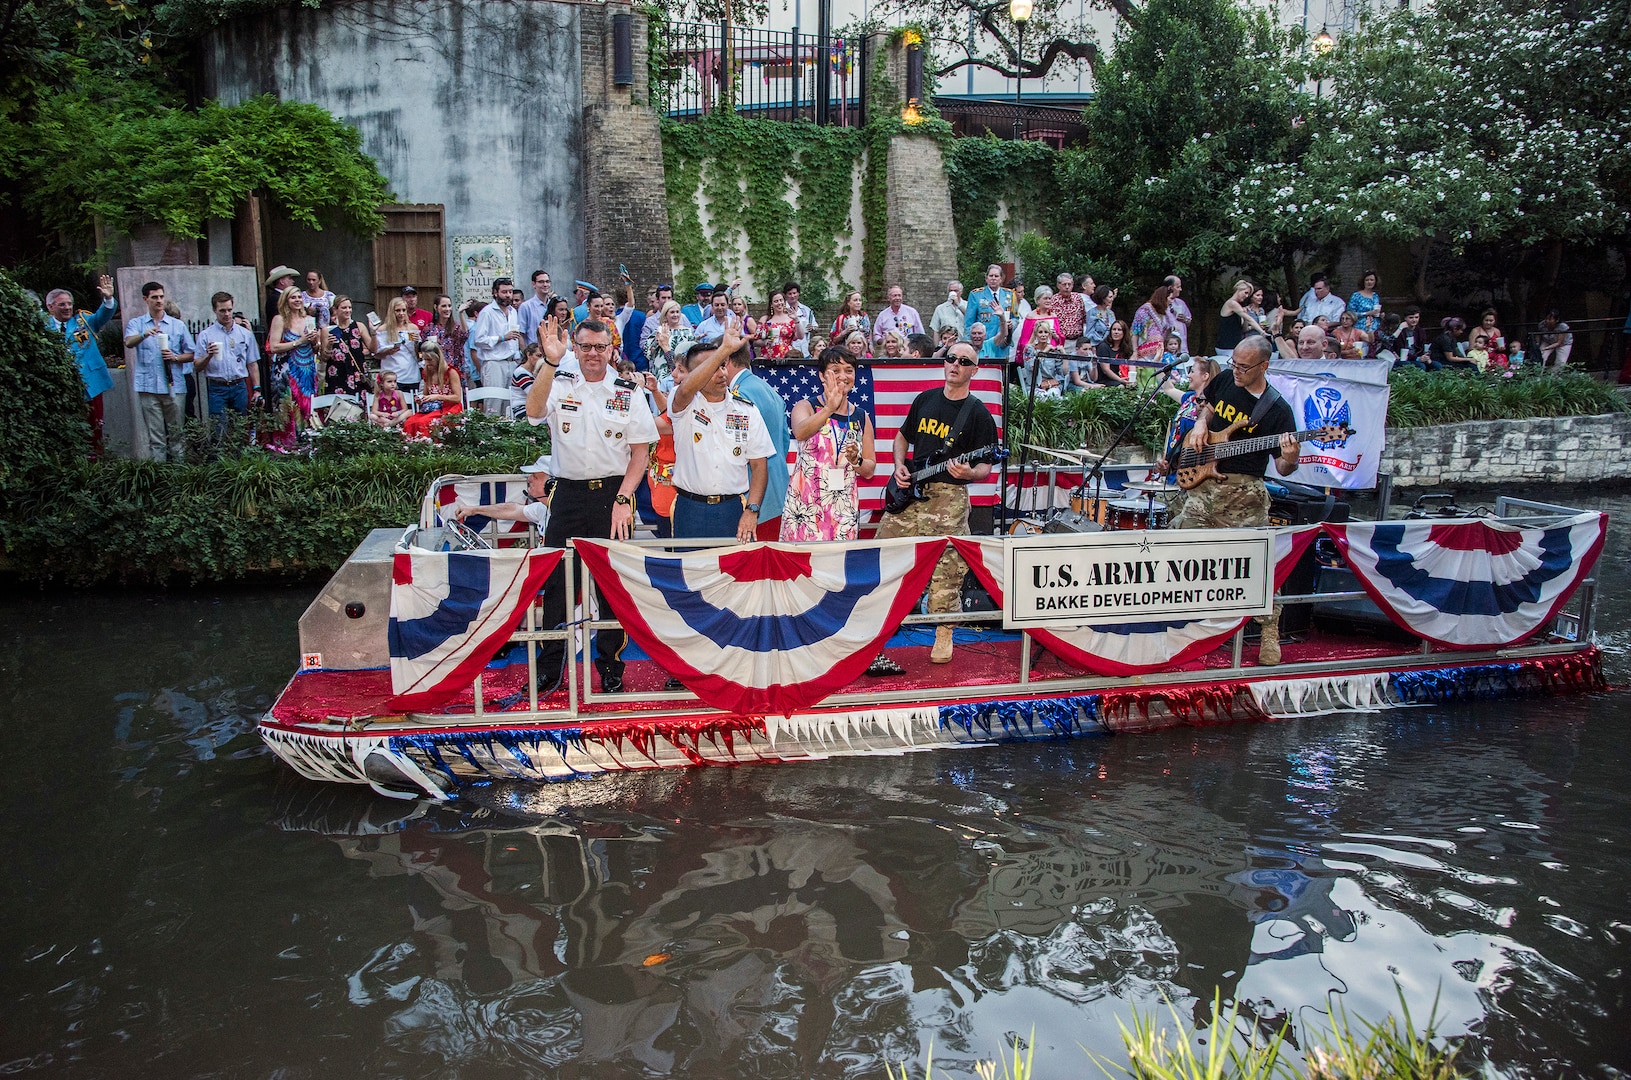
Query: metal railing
x=763, y=73
x=1570, y=627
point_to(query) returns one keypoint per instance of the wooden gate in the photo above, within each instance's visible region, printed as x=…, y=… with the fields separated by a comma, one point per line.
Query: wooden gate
x=411, y=251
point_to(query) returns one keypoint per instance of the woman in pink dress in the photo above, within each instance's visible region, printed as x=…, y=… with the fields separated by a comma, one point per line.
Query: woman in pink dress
x=835, y=452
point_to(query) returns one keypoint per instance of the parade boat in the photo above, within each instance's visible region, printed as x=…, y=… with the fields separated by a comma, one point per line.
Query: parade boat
x=419, y=670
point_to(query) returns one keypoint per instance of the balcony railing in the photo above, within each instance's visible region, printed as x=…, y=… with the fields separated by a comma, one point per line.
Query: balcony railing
x=764, y=73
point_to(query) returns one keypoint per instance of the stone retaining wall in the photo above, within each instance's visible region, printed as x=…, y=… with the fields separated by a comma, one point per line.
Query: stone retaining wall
x=1563, y=450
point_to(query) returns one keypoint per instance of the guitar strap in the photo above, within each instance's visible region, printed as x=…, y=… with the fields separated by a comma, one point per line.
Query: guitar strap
x=957, y=426
x=1264, y=404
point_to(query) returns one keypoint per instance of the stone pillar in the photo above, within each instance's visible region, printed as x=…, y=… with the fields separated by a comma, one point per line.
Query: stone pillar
x=625, y=206
x=921, y=252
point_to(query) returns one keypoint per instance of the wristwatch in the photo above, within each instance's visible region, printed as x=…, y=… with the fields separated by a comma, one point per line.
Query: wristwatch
x=623, y=500
x=751, y=508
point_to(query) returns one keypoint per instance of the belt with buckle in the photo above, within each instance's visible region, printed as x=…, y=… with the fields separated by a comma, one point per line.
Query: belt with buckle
x=710, y=500
x=591, y=485
x=213, y=381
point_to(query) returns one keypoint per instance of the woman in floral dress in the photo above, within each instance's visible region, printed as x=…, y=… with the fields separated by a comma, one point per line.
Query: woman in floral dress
x=351, y=343
x=446, y=330
x=1366, y=305
x=779, y=331
x=835, y=452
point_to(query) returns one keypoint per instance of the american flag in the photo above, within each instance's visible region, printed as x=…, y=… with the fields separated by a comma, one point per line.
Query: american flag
x=886, y=390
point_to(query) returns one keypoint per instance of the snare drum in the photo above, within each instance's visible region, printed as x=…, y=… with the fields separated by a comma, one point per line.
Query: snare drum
x=1134, y=514
x=1025, y=527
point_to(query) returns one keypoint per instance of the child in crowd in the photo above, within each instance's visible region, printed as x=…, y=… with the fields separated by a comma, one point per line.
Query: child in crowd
x=1478, y=351
x=389, y=407
x=1514, y=351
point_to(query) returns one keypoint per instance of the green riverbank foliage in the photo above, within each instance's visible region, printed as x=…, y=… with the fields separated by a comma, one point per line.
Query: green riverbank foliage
x=1417, y=399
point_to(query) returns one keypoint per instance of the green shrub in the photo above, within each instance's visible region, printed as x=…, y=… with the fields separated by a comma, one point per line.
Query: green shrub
x=1424, y=398
x=41, y=396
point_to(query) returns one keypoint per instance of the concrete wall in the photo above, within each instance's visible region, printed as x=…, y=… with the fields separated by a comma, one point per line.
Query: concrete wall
x=1563, y=450
x=474, y=104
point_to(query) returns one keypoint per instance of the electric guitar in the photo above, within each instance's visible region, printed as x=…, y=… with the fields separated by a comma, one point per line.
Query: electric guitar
x=1195, y=467
x=898, y=496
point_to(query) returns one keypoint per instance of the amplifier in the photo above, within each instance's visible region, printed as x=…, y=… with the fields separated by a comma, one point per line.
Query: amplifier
x=1072, y=521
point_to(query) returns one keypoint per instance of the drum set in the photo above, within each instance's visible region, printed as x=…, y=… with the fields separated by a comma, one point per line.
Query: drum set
x=1137, y=505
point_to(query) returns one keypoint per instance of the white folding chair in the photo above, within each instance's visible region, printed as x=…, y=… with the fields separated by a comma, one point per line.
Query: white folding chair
x=489, y=393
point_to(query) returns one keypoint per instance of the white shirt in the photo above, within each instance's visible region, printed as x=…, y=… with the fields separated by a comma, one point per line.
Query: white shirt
x=713, y=443
x=537, y=513
x=237, y=351
x=806, y=319
x=948, y=314
x=1313, y=307
x=487, y=337
x=593, y=424
x=404, y=362
x=711, y=329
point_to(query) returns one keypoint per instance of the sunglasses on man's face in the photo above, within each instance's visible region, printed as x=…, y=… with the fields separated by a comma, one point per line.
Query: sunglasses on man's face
x=962, y=361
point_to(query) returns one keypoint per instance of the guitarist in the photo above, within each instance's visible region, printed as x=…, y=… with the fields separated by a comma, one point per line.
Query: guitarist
x=942, y=424
x=1239, y=500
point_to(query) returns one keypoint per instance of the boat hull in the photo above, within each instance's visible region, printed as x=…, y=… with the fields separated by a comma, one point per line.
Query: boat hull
x=406, y=757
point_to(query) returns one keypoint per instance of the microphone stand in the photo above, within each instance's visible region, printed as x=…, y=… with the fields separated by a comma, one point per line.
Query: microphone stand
x=1096, y=474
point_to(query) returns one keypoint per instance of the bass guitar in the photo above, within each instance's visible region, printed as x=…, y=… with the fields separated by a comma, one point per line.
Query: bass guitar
x=1195, y=467
x=898, y=496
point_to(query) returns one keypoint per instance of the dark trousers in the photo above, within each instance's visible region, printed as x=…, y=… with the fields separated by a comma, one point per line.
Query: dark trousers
x=578, y=508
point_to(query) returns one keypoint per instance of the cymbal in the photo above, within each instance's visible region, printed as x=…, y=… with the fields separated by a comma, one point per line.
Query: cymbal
x=1068, y=455
x=1153, y=487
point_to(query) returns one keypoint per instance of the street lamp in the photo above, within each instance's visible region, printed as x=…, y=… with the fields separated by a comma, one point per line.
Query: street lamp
x=1323, y=44
x=1020, y=12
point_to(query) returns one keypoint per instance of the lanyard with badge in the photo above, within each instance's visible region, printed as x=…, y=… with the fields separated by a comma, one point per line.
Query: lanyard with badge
x=838, y=474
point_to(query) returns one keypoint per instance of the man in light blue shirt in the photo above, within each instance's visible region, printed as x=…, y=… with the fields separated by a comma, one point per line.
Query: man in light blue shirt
x=1320, y=300
x=164, y=352
x=530, y=315
x=229, y=361
x=712, y=328
x=79, y=330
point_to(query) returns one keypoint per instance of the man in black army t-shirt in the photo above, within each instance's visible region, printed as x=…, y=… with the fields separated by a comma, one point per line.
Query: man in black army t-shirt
x=929, y=424
x=1239, y=499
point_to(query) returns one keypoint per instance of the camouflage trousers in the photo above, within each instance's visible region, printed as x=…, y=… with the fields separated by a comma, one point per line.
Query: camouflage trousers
x=1235, y=502
x=943, y=513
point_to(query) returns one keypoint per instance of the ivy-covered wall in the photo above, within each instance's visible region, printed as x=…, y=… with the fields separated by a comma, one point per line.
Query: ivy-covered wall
x=764, y=200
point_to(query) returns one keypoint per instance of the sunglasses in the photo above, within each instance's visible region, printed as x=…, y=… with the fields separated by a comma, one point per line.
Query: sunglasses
x=961, y=362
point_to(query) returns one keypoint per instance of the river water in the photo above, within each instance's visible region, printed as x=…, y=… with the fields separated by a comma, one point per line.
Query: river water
x=179, y=904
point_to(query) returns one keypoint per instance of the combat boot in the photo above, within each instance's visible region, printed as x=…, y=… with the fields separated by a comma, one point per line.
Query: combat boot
x=1268, y=649
x=941, y=653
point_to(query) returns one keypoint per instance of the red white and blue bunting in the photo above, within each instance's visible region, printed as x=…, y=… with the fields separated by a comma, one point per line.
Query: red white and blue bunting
x=767, y=628
x=1471, y=584
x=1131, y=648
x=451, y=611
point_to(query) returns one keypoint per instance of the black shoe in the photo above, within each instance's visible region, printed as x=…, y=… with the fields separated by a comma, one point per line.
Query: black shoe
x=881, y=665
x=673, y=684
x=611, y=677
x=548, y=684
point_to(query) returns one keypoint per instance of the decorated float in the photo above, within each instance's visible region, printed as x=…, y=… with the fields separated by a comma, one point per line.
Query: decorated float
x=419, y=671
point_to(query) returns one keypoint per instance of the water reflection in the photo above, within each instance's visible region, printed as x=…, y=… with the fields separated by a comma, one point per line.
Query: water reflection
x=816, y=921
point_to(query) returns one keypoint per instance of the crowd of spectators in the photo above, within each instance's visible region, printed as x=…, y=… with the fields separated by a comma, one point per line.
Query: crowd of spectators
x=408, y=367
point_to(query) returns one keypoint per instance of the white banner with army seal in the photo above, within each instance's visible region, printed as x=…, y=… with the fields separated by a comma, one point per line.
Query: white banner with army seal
x=1059, y=582
x=1331, y=393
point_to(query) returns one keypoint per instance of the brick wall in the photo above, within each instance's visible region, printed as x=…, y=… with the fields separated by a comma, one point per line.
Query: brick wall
x=922, y=245
x=625, y=219
x=1563, y=450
